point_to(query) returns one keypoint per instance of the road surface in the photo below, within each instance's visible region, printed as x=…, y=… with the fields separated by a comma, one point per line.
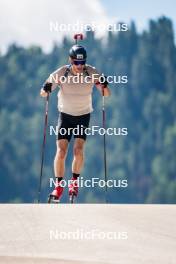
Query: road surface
x=87, y=234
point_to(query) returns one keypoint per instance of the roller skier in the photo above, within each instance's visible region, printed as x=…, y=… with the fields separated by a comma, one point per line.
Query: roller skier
x=75, y=107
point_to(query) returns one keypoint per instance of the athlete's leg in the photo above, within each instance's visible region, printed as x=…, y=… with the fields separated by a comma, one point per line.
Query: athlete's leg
x=78, y=155
x=61, y=154
x=59, y=169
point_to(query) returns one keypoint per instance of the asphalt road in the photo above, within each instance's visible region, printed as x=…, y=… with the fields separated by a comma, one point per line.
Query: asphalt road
x=87, y=234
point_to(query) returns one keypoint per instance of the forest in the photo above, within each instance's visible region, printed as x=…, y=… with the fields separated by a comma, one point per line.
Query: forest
x=144, y=105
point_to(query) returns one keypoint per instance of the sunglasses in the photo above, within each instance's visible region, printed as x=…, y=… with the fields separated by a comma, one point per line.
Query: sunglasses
x=79, y=62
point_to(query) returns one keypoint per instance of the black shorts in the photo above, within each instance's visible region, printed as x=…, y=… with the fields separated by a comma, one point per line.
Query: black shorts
x=69, y=125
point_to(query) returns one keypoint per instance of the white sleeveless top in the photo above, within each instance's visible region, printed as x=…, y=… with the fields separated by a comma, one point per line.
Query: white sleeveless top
x=75, y=93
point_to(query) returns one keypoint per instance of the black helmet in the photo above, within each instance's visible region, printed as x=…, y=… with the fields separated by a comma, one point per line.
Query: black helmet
x=78, y=52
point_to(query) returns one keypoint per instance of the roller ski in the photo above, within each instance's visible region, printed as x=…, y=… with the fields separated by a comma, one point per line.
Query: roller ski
x=73, y=190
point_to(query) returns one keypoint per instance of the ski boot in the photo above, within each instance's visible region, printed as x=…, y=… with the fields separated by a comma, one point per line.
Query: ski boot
x=55, y=196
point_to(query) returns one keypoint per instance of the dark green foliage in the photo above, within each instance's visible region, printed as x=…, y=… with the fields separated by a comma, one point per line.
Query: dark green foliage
x=145, y=105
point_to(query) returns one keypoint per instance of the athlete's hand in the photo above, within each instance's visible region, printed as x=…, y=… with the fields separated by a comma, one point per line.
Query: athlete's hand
x=46, y=89
x=105, y=90
x=43, y=93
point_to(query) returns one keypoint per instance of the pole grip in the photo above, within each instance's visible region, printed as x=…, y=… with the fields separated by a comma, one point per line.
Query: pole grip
x=78, y=37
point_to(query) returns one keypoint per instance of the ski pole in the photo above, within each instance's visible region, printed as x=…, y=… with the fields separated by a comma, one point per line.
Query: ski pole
x=104, y=143
x=43, y=147
x=78, y=37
